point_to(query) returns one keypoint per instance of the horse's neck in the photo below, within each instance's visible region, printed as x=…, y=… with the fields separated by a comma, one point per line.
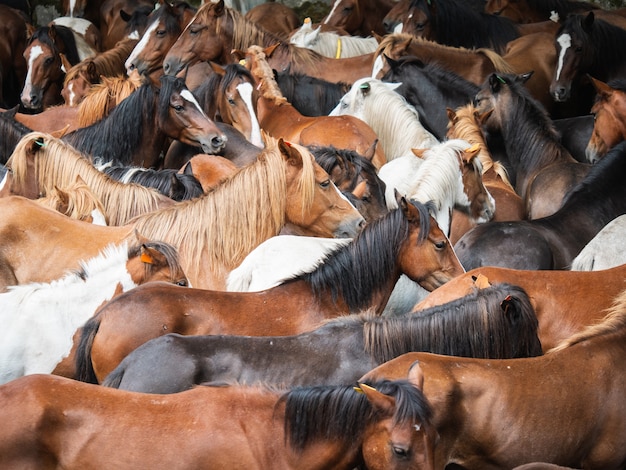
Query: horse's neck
x=279, y=118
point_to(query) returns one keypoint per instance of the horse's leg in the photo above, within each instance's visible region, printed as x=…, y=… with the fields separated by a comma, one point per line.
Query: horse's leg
x=7, y=275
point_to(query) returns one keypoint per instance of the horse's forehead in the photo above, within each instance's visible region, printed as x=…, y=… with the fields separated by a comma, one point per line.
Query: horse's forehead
x=188, y=96
x=34, y=52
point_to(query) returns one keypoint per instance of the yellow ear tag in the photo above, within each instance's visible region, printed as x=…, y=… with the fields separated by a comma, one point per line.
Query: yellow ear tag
x=146, y=258
x=307, y=20
x=242, y=62
x=474, y=148
x=358, y=389
x=367, y=387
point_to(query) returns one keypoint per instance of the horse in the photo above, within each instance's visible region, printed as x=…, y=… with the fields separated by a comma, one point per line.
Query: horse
x=605, y=250
x=284, y=186
x=532, y=11
x=41, y=319
x=277, y=18
x=552, y=242
x=137, y=130
x=451, y=177
x=497, y=322
x=279, y=118
x=41, y=163
x=554, y=415
x=117, y=16
x=541, y=168
x=609, y=116
x=216, y=31
x=395, y=121
x=357, y=276
x=358, y=17
x=165, y=24
x=86, y=35
x=12, y=132
x=464, y=123
x=331, y=44
x=13, y=36
x=304, y=428
x=586, y=45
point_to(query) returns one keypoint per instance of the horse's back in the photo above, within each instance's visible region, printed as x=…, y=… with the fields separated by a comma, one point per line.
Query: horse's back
x=606, y=250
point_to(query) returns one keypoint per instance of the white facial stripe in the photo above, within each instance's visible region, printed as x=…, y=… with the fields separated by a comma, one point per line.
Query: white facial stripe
x=332, y=11
x=398, y=28
x=343, y=196
x=72, y=95
x=4, y=180
x=245, y=90
x=565, y=41
x=72, y=6
x=98, y=218
x=377, y=67
x=141, y=45
x=187, y=95
x=35, y=52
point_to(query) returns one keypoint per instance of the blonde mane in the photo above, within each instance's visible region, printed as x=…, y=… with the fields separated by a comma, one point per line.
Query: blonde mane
x=103, y=97
x=79, y=198
x=264, y=76
x=614, y=320
x=220, y=228
x=56, y=163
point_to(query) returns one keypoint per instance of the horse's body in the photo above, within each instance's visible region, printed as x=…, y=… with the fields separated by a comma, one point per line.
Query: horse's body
x=495, y=323
x=606, y=250
x=279, y=118
x=552, y=242
x=39, y=320
x=359, y=17
x=609, y=112
x=83, y=425
x=541, y=168
x=532, y=11
x=395, y=121
x=137, y=130
x=405, y=241
x=13, y=36
x=332, y=44
x=565, y=302
x=209, y=170
x=285, y=186
x=565, y=407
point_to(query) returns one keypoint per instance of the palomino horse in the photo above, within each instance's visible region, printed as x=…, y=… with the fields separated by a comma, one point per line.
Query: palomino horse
x=609, y=111
x=395, y=121
x=279, y=118
x=552, y=242
x=77, y=201
x=216, y=30
x=49, y=52
x=356, y=277
x=565, y=407
x=283, y=186
x=304, y=429
x=330, y=43
x=40, y=319
x=359, y=17
x=139, y=128
x=605, y=250
x=586, y=45
x=540, y=167
x=497, y=322
x=565, y=302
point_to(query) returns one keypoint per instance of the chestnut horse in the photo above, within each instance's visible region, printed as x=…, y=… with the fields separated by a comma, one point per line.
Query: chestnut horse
x=13, y=36
x=565, y=302
x=77, y=201
x=284, y=186
x=84, y=425
x=565, y=407
x=359, y=17
x=356, y=277
x=609, y=111
x=39, y=320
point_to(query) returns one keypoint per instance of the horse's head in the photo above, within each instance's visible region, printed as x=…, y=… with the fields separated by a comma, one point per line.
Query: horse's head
x=154, y=261
x=609, y=111
x=345, y=14
x=481, y=204
x=498, y=95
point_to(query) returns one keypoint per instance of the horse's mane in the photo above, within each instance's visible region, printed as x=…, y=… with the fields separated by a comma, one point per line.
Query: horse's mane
x=338, y=412
x=457, y=24
x=329, y=44
x=57, y=163
x=254, y=199
x=562, y=7
x=466, y=127
x=80, y=199
x=103, y=97
x=614, y=321
x=264, y=76
x=496, y=322
x=357, y=270
x=41, y=34
x=618, y=84
x=11, y=131
x=329, y=157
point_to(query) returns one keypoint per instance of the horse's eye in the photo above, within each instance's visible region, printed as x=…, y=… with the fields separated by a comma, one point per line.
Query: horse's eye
x=578, y=49
x=182, y=283
x=420, y=26
x=195, y=30
x=400, y=452
x=348, y=9
x=160, y=33
x=325, y=184
x=48, y=61
x=178, y=108
x=440, y=245
x=231, y=101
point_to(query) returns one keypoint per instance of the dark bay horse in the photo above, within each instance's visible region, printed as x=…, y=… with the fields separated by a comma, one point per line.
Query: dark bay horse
x=565, y=407
x=358, y=276
x=137, y=130
x=83, y=425
x=13, y=36
x=552, y=242
x=495, y=322
x=359, y=17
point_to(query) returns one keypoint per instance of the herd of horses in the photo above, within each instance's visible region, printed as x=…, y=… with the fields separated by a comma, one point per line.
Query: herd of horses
x=231, y=237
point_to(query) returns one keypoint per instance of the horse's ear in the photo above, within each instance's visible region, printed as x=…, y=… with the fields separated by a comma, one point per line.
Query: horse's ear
x=219, y=8
x=510, y=307
x=239, y=55
x=30, y=30
x=35, y=145
x=92, y=71
x=391, y=62
x=416, y=375
x=60, y=133
x=52, y=32
x=419, y=153
x=602, y=89
x=359, y=191
x=371, y=151
x=62, y=195
x=481, y=281
x=217, y=68
x=495, y=82
x=481, y=118
x=451, y=115
x=470, y=153
x=409, y=210
x=588, y=21
x=377, y=36
x=291, y=154
x=270, y=49
x=382, y=403
x=524, y=77
x=140, y=238
x=79, y=179
x=65, y=64
x=152, y=256
x=175, y=185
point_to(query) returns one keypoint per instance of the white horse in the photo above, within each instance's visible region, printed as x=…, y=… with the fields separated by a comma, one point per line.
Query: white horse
x=389, y=114
x=331, y=44
x=39, y=319
x=284, y=256
x=606, y=250
x=449, y=175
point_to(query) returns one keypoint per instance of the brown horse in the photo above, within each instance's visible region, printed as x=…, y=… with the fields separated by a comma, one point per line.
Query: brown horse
x=114, y=18
x=13, y=67
x=565, y=302
x=609, y=110
x=83, y=425
x=358, y=276
x=275, y=17
x=209, y=170
x=278, y=117
x=216, y=30
x=359, y=17
x=565, y=407
x=212, y=233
